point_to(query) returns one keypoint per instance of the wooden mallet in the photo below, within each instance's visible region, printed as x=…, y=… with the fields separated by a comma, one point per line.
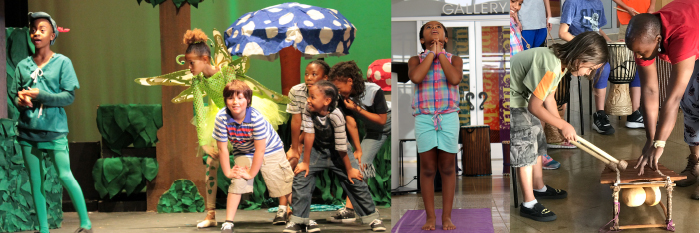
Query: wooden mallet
x=612, y=162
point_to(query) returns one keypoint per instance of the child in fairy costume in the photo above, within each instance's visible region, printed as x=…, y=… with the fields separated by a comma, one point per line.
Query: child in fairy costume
x=47, y=83
x=207, y=77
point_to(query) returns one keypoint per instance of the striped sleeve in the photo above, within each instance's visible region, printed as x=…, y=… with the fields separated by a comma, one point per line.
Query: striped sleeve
x=338, y=122
x=545, y=86
x=298, y=97
x=307, y=124
x=220, y=131
x=260, y=131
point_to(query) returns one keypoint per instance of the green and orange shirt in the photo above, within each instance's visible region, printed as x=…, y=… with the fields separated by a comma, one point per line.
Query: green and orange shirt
x=533, y=72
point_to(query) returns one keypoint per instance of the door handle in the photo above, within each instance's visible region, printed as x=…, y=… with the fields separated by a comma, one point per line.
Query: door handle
x=485, y=96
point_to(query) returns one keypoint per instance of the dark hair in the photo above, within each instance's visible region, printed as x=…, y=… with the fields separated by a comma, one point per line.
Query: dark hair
x=236, y=87
x=326, y=68
x=196, y=42
x=643, y=26
x=586, y=47
x=349, y=69
x=420, y=33
x=330, y=91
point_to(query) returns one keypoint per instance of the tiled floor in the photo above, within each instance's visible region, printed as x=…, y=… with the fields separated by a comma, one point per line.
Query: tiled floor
x=589, y=204
x=472, y=192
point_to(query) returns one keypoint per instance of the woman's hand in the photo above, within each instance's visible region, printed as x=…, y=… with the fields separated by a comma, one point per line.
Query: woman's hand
x=213, y=153
x=651, y=158
x=30, y=92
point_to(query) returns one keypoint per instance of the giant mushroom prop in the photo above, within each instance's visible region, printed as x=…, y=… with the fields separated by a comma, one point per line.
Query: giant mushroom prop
x=288, y=31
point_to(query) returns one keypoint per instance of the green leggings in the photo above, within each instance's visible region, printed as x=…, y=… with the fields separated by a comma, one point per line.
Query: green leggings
x=34, y=161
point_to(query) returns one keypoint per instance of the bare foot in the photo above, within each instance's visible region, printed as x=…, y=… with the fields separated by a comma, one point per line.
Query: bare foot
x=447, y=224
x=429, y=224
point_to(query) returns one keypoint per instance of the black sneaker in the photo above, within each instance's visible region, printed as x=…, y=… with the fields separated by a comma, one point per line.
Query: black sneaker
x=377, y=225
x=342, y=216
x=601, y=123
x=83, y=230
x=635, y=120
x=292, y=227
x=313, y=227
x=537, y=213
x=551, y=193
x=280, y=217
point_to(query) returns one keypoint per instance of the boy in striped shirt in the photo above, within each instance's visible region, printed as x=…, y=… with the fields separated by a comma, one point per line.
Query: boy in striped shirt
x=256, y=148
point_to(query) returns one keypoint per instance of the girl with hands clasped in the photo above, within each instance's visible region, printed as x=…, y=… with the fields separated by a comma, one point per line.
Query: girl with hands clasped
x=436, y=75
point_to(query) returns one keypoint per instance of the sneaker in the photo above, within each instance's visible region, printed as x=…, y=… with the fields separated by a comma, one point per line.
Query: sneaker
x=377, y=225
x=292, y=227
x=601, y=123
x=227, y=227
x=537, y=213
x=280, y=217
x=549, y=164
x=313, y=227
x=691, y=171
x=343, y=216
x=561, y=145
x=635, y=120
x=551, y=193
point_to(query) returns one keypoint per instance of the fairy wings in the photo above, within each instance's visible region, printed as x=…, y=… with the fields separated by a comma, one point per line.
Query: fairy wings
x=221, y=57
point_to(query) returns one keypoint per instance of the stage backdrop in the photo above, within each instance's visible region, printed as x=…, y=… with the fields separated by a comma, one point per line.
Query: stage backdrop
x=113, y=42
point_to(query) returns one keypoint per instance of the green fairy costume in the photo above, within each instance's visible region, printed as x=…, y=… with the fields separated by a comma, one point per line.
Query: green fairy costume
x=270, y=103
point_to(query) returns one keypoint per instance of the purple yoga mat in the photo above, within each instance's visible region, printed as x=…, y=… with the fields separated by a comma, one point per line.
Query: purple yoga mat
x=466, y=220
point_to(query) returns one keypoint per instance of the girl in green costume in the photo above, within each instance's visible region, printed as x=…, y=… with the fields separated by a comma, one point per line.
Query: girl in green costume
x=207, y=76
x=47, y=83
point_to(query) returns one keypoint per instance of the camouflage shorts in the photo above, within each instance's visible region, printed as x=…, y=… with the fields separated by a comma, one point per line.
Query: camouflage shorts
x=527, y=138
x=689, y=105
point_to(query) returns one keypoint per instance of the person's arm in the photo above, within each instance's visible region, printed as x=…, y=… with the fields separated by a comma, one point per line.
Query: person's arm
x=351, y=127
x=604, y=35
x=537, y=107
x=652, y=7
x=518, y=25
x=61, y=99
x=629, y=10
x=224, y=160
x=452, y=69
x=680, y=75
x=418, y=70
x=339, y=132
x=564, y=33
x=296, y=131
x=373, y=117
x=548, y=13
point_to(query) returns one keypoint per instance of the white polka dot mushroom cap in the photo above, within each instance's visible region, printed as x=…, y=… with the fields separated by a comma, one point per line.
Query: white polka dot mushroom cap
x=379, y=72
x=315, y=31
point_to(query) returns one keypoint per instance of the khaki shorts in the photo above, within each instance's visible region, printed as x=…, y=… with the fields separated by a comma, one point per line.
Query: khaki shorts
x=278, y=174
x=241, y=186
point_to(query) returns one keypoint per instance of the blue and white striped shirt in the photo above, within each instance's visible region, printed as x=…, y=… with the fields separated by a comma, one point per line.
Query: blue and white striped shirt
x=242, y=136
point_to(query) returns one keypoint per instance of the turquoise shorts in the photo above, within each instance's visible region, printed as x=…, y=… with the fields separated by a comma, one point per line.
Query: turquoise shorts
x=445, y=138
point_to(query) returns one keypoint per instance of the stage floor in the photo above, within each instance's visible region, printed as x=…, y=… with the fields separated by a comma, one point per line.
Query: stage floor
x=246, y=221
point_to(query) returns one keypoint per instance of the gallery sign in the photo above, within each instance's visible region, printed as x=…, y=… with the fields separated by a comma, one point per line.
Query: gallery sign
x=486, y=8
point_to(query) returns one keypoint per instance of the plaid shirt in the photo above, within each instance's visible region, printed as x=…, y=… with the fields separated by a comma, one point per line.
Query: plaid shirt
x=516, y=43
x=435, y=95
